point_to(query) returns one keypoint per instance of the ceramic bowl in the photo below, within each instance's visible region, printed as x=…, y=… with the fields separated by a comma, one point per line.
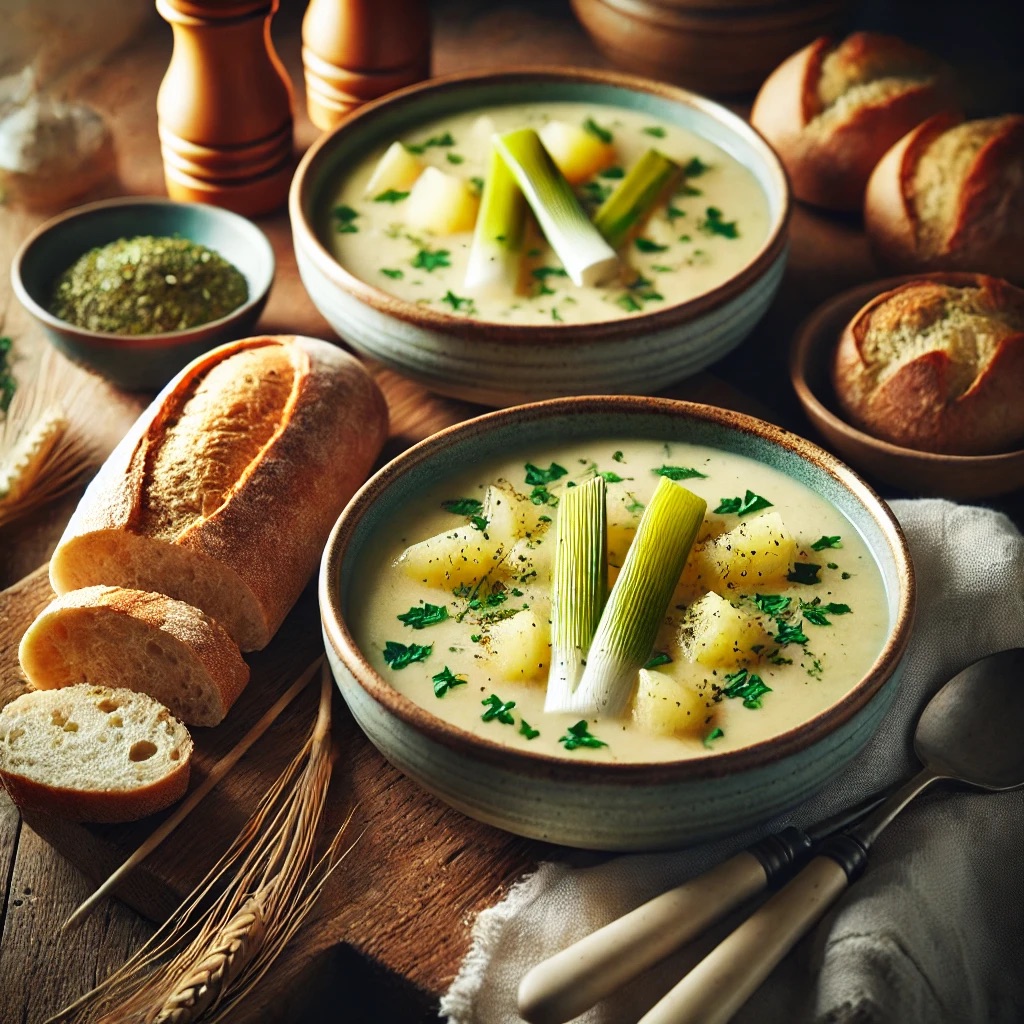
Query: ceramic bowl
x=597, y=805
x=501, y=364
x=142, y=362
x=963, y=477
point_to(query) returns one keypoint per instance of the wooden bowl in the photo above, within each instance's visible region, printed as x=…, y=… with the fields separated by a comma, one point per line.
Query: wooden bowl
x=143, y=362
x=914, y=472
x=503, y=363
x=599, y=804
x=719, y=48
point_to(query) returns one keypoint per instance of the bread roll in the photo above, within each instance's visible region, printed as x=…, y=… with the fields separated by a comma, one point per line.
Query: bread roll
x=950, y=196
x=937, y=364
x=224, y=491
x=93, y=753
x=143, y=642
x=832, y=109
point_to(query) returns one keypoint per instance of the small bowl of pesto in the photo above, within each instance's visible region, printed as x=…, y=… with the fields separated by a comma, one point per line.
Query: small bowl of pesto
x=135, y=288
x=508, y=237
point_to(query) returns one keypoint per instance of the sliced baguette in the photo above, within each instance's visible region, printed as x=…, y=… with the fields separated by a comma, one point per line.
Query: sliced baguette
x=145, y=642
x=224, y=491
x=93, y=753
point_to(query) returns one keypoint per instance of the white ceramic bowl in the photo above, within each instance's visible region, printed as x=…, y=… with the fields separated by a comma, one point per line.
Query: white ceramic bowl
x=596, y=805
x=502, y=364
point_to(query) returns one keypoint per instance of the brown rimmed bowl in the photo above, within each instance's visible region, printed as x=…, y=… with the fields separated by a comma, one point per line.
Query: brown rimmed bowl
x=141, y=362
x=501, y=364
x=963, y=477
x=624, y=806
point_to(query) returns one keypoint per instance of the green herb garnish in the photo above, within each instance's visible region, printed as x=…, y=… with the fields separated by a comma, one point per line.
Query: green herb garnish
x=804, y=572
x=750, y=502
x=772, y=604
x=612, y=172
x=463, y=506
x=525, y=729
x=431, y=260
x=790, y=633
x=661, y=658
x=458, y=303
x=433, y=141
x=444, y=680
x=536, y=475
x=597, y=131
x=395, y=275
x=8, y=385
x=715, y=734
x=714, y=225
x=817, y=613
x=646, y=245
x=498, y=709
x=656, y=130
x=694, y=168
x=579, y=735
x=400, y=655
x=679, y=473
x=827, y=542
x=392, y=195
x=454, y=158
x=746, y=686
x=344, y=220
x=421, y=616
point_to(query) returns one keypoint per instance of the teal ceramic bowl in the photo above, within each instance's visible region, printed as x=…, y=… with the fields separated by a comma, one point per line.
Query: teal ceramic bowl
x=622, y=806
x=143, y=362
x=500, y=364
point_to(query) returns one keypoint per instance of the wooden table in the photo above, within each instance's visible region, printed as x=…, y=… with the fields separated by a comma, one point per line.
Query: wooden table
x=392, y=927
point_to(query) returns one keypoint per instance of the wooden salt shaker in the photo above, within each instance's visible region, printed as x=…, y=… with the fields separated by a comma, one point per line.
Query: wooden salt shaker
x=225, y=106
x=357, y=50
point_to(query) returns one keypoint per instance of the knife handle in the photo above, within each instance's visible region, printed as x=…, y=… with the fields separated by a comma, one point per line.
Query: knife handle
x=723, y=981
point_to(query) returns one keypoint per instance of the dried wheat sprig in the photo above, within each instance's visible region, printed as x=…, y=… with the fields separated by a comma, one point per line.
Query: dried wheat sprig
x=217, y=945
x=43, y=451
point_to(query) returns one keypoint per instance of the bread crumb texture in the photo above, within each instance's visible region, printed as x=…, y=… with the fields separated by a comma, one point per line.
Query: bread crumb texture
x=91, y=739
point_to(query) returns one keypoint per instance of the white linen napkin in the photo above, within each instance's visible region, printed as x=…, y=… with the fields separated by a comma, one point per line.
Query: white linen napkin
x=932, y=933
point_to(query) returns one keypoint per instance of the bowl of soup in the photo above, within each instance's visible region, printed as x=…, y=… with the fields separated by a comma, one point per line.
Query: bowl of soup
x=410, y=248
x=767, y=665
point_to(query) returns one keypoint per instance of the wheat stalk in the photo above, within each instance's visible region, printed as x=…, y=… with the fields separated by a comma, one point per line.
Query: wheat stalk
x=220, y=942
x=44, y=451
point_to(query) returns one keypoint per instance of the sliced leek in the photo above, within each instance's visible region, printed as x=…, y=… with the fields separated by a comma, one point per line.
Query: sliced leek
x=639, y=599
x=580, y=585
x=588, y=259
x=495, y=254
x=635, y=196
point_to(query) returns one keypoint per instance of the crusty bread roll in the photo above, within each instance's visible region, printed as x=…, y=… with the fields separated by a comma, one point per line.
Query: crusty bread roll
x=937, y=364
x=93, y=753
x=224, y=491
x=833, y=108
x=950, y=196
x=145, y=642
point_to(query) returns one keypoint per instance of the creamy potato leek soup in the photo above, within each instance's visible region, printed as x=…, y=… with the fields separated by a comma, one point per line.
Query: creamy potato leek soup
x=542, y=602
x=466, y=215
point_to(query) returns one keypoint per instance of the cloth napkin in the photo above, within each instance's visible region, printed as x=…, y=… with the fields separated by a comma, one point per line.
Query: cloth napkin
x=932, y=933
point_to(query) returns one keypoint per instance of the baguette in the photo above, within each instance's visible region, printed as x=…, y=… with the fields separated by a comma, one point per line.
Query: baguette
x=93, y=753
x=832, y=109
x=224, y=491
x=950, y=196
x=144, y=642
x=937, y=364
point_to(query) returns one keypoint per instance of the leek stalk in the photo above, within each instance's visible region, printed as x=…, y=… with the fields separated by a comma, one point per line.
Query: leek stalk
x=495, y=254
x=635, y=196
x=580, y=585
x=588, y=259
x=638, y=601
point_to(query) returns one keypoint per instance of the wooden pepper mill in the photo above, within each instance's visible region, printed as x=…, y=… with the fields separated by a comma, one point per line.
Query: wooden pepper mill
x=357, y=50
x=225, y=106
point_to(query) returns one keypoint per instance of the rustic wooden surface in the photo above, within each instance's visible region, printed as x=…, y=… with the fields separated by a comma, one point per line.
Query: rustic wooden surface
x=393, y=925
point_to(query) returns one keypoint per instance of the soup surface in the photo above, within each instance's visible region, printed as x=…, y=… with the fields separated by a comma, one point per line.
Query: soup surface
x=712, y=224
x=461, y=624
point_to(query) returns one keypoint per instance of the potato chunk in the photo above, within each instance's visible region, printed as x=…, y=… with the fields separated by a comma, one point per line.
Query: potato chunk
x=518, y=649
x=717, y=634
x=396, y=170
x=440, y=203
x=757, y=553
x=666, y=706
x=577, y=153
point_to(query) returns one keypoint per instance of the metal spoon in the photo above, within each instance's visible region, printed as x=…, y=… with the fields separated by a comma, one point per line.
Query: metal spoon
x=969, y=732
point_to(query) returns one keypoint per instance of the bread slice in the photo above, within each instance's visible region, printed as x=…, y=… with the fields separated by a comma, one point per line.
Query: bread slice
x=93, y=753
x=832, y=109
x=950, y=196
x=145, y=642
x=937, y=364
x=224, y=491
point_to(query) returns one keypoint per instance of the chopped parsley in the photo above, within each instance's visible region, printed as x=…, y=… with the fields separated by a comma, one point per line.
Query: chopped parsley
x=804, y=572
x=395, y=275
x=392, y=195
x=660, y=658
x=458, y=303
x=772, y=604
x=715, y=734
x=817, y=613
x=444, y=680
x=750, y=502
x=527, y=730
x=673, y=212
x=399, y=655
x=714, y=225
x=612, y=172
x=617, y=457
x=827, y=542
x=463, y=506
x=498, y=709
x=421, y=616
x=609, y=477
x=679, y=473
x=454, y=158
x=597, y=131
x=656, y=130
x=579, y=735
x=478, y=184
x=694, y=168
x=790, y=633
x=595, y=191
x=536, y=475
x=430, y=260
x=8, y=385
x=345, y=220
x=646, y=245
x=433, y=141
x=747, y=687
x=540, y=495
